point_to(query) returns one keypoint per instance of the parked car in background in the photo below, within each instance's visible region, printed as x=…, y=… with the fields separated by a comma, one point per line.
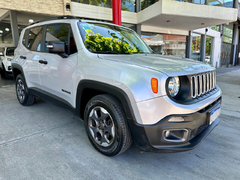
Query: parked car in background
x=5, y=61
x=207, y=59
x=106, y=75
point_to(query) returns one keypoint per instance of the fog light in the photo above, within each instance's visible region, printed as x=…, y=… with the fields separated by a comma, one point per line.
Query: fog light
x=175, y=135
x=176, y=119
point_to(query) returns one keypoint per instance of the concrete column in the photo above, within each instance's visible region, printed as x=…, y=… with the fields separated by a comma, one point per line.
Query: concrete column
x=138, y=29
x=14, y=27
x=138, y=5
x=203, y=47
x=189, y=45
x=235, y=4
x=235, y=41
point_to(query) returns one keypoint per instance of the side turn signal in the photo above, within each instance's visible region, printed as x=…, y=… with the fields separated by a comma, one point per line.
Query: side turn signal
x=154, y=84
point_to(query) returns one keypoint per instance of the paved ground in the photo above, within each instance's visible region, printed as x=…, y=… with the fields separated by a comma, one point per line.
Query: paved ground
x=46, y=142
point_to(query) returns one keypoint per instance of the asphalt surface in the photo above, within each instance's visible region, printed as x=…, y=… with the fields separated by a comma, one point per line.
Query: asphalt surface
x=46, y=142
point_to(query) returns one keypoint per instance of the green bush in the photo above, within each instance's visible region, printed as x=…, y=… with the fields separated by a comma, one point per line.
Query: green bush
x=96, y=42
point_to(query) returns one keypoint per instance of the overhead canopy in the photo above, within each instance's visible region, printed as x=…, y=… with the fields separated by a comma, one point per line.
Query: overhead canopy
x=185, y=16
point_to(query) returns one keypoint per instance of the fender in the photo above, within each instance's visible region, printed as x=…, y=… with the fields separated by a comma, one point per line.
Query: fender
x=117, y=93
x=18, y=67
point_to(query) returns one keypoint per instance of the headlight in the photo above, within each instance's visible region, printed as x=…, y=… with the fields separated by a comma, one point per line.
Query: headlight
x=173, y=86
x=9, y=59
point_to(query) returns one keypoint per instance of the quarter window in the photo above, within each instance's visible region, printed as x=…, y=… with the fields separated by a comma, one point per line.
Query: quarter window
x=34, y=39
x=25, y=37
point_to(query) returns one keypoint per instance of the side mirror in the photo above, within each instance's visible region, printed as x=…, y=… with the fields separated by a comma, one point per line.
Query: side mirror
x=57, y=47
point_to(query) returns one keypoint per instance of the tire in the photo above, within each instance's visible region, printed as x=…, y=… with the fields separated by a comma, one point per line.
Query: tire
x=4, y=74
x=24, y=97
x=106, y=125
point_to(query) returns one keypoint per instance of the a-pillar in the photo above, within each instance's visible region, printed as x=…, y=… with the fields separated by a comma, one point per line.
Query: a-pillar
x=189, y=45
x=14, y=27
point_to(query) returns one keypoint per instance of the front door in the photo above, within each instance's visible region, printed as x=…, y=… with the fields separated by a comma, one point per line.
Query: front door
x=56, y=71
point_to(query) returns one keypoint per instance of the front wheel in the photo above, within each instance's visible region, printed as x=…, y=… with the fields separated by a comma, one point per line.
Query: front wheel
x=106, y=125
x=23, y=95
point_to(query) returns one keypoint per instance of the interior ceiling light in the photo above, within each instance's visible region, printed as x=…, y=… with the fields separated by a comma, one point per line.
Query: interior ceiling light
x=31, y=21
x=1, y=31
x=7, y=29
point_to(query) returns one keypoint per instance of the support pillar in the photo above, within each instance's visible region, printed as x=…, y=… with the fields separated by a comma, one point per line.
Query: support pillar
x=189, y=45
x=235, y=42
x=138, y=29
x=203, y=47
x=116, y=12
x=14, y=27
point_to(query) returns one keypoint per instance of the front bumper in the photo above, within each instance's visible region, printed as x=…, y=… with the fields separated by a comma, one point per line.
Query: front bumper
x=150, y=137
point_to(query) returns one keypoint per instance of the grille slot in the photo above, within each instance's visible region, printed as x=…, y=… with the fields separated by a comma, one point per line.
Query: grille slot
x=202, y=83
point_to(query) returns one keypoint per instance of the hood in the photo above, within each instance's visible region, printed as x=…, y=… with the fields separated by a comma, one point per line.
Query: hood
x=171, y=66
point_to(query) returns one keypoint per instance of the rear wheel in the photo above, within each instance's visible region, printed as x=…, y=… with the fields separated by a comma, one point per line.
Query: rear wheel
x=4, y=74
x=106, y=125
x=23, y=95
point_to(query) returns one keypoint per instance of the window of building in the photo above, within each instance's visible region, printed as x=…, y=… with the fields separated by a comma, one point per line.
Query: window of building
x=223, y=3
x=196, y=45
x=126, y=5
x=61, y=33
x=227, y=33
x=34, y=38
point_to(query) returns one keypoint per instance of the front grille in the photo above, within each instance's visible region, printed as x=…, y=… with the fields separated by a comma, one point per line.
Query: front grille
x=202, y=83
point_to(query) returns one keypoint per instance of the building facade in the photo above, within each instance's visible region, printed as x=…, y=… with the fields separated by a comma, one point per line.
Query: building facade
x=169, y=27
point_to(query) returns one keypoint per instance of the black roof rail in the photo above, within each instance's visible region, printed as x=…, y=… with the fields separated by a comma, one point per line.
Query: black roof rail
x=55, y=18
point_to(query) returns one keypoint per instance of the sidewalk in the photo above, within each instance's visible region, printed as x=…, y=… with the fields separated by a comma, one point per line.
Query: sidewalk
x=223, y=70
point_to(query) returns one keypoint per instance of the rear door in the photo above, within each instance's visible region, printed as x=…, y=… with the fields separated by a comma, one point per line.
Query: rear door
x=31, y=54
x=58, y=72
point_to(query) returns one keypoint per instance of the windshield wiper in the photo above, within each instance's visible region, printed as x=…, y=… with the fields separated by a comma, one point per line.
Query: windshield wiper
x=105, y=52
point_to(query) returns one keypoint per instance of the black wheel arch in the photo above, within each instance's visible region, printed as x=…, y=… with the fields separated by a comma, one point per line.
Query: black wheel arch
x=89, y=88
x=17, y=69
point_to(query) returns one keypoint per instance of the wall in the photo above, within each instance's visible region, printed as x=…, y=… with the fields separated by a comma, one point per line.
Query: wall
x=48, y=7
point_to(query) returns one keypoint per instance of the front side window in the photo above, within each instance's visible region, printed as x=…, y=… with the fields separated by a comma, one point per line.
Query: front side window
x=104, y=38
x=61, y=33
x=34, y=39
x=10, y=51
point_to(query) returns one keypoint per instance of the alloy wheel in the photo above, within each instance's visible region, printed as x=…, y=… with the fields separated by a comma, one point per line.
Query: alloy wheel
x=21, y=90
x=101, y=126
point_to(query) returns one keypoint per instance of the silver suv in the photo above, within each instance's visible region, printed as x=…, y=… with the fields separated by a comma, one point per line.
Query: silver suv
x=106, y=75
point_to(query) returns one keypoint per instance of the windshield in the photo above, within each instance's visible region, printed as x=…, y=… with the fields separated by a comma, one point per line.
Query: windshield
x=104, y=38
x=10, y=51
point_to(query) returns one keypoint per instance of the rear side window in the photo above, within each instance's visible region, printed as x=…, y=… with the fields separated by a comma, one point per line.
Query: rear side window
x=61, y=33
x=34, y=39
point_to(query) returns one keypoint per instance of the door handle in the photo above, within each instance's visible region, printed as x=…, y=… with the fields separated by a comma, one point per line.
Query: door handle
x=23, y=57
x=42, y=62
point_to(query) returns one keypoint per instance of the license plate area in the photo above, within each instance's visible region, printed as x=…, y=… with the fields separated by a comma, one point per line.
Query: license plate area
x=214, y=113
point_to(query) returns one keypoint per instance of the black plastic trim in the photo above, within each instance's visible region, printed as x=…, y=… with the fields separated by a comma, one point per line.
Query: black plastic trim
x=150, y=136
x=52, y=99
